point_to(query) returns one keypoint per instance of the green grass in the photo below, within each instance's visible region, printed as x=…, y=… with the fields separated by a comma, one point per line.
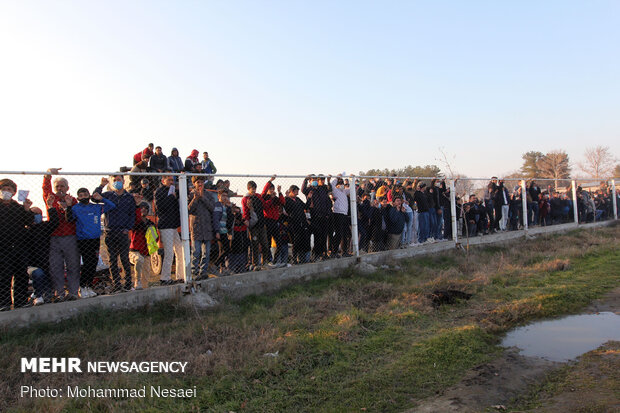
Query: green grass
x=356, y=342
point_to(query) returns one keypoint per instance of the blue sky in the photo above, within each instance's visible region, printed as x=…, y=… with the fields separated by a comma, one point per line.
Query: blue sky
x=293, y=87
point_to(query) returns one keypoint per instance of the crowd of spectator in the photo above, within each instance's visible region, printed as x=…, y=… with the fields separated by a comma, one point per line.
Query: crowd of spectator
x=136, y=216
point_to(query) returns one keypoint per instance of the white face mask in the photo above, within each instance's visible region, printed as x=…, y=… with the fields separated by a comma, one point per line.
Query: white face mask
x=6, y=195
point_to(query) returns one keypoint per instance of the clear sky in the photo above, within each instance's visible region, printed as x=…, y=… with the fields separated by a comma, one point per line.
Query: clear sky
x=294, y=87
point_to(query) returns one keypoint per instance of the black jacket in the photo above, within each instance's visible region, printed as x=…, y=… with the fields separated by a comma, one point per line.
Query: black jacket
x=39, y=241
x=167, y=209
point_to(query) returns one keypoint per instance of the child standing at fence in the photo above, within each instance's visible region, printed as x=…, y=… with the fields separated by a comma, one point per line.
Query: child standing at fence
x=87, y=217
x=143, y=244
x=239, y=245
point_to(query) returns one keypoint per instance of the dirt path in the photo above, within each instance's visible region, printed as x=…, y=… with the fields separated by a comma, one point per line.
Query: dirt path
x=493, y=385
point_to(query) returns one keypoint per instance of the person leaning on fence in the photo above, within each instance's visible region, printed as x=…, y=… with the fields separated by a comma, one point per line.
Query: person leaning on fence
x=423, y=205
x=14, y=218
x=272, y=206
x=377, y=225
x=298, y=225
x=320, y=207
x=168, y=222
x=200, y=227
x=395, y=220
x=38, y=253
x=145, y=190
x=412, y=225
x=87, y=218
x=118, y=222
x=254, y=217
x=223, y=221
x=143, y=244
x=364, y=214
x=433, y=200
x=238, y=258
x=341, y=220
x=64, y=253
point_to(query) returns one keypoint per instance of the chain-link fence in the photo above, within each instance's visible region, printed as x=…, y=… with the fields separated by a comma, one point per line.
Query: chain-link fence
x=78, y=235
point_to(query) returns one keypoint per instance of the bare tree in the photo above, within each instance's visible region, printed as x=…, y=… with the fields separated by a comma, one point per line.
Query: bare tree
x=554, y=165
x=462, y=186
x=599, y=162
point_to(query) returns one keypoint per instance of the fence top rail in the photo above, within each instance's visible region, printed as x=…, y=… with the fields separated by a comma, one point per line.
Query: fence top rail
x=296, y=176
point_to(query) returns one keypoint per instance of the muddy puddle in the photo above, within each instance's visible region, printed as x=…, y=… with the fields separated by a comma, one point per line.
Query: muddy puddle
x=566, y=338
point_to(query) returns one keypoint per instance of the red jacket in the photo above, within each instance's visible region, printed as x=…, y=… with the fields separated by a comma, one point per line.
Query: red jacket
x=64, y=227
x=246, y=208
x=271, y=206
x=138, y=235
x=144, y=153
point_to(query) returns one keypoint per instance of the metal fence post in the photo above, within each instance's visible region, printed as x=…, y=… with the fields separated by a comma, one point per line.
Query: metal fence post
x=185, y=227
x=353, y=203
x=455, y=235
x=524, y=205
x=614, y=198
x=575, y=211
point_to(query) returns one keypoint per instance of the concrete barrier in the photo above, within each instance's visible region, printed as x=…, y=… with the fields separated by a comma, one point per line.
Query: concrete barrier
x=208, y=293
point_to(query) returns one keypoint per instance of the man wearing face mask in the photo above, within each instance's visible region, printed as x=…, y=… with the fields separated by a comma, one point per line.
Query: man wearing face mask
x=13, y=221
x=63, y=243
x=87, y=217
x=39, y=234
x=117, y=223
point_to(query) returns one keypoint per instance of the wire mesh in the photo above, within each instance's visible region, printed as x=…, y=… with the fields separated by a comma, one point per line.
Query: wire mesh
x=78, y=235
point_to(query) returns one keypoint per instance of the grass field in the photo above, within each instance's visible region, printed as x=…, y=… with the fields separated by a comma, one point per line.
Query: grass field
x=354, y=343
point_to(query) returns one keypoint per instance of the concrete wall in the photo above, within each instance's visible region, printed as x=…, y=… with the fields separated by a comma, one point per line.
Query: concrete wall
x=207, y=293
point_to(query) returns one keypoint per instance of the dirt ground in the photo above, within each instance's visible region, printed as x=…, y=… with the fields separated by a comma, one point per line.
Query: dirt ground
x=589, y=384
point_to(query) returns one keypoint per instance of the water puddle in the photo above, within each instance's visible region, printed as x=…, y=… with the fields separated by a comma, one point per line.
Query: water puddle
x=566, y=338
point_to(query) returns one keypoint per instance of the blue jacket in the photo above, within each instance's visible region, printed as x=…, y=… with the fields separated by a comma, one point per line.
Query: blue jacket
x=394, y=220
x=88, y=218
x=123, y=217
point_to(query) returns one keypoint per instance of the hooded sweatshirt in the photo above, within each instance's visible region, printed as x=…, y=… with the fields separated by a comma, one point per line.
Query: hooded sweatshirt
x=175, y=163
x=191, y=161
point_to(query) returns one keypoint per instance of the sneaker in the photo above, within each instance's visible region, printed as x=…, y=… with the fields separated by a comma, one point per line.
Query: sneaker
x=90, y=292
x=431, y=239
x=39, y=301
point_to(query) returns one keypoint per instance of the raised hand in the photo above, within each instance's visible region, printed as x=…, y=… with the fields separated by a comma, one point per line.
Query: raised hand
x=97, y=196
x=27, y=204
x=50, y=200
x=104, y=181
x=68, y=199
x=53, y=171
